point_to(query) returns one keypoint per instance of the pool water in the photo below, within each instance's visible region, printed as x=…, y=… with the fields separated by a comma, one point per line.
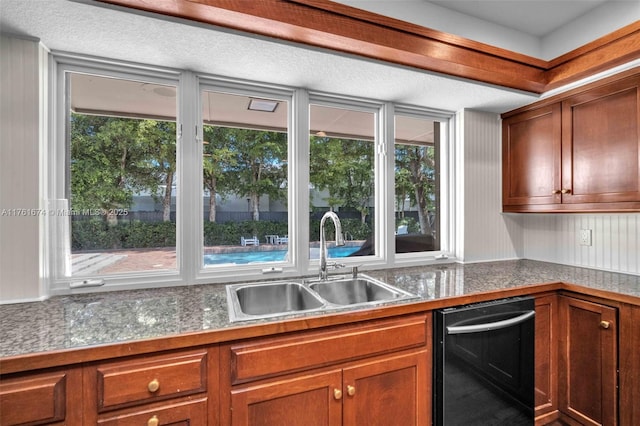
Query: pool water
x=267, y=256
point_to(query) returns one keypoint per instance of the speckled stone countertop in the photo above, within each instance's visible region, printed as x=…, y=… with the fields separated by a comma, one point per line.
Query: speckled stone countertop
x=81, y=321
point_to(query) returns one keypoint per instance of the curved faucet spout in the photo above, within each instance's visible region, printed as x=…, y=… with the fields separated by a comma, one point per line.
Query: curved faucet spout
x=323, y=243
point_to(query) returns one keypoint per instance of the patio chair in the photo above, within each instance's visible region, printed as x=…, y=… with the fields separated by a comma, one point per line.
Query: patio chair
x=282, y=240
x=249, y=241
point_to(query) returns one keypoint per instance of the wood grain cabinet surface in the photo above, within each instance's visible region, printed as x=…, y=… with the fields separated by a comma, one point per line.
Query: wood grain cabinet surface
x=629, y=356
x=546, y=359
x=588, y=362
x=580, y=152
x=43, y=398
x=374, y=373
x=157, y=389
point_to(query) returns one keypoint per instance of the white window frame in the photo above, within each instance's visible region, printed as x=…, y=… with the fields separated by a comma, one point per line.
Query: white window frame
x=446, y=185
x=379, y=110
x=189, y=223
x=289, y=267
x=57, y=227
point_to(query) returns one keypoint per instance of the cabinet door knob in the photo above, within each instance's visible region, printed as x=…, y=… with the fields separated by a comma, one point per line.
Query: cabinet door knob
x=153, y=421
x=351, y=390
x=337, y=394
x=605, y=324
x=556, y=191
x=153, y=385
x=566, y=191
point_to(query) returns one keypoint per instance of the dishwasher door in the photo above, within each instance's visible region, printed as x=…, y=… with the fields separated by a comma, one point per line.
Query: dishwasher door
x=484, y=364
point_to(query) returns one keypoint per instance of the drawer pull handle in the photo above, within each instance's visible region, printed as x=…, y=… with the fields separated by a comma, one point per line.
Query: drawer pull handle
x=153, y=385
x=605, y=324
x=351, y=390
x=337, y=394
x=153, y=421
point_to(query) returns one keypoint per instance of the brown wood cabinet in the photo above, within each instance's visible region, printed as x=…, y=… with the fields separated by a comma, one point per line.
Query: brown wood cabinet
x=546, y=359
x=375, y=373
x=588, y=362
x=629, y=356
x=367, y=372
x=578, y=152
x=42, y=398
x=168, y=388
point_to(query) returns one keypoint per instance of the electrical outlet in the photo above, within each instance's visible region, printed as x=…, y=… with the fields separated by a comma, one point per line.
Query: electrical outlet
x=585, y=237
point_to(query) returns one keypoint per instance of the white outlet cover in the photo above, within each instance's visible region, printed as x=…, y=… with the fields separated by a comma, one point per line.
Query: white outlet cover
x=585, y=237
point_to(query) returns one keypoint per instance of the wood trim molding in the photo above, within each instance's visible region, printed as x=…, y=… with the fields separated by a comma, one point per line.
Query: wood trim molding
x=334, y=26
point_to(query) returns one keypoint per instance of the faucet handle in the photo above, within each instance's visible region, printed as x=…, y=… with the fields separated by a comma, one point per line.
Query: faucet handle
x=336, y=265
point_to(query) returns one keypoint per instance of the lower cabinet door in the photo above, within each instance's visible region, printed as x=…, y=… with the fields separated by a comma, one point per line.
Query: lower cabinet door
x=391, y=391
x=186, y=413
x=588, y=362
x=546, y=357
x=310, y=399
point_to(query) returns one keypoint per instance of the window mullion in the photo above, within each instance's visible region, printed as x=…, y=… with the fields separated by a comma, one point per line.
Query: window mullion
x=189, y=219
x=385, y=182
x=299, y=190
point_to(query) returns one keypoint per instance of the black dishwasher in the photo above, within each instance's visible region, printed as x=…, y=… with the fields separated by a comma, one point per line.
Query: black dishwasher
x=484, y=364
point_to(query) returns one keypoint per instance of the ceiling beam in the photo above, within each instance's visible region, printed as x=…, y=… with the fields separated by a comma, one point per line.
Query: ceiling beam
x=342, y=28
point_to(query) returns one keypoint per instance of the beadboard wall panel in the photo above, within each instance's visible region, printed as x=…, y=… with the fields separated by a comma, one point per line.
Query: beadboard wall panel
x=19, y=191
x=485, y=233
x=556, y=238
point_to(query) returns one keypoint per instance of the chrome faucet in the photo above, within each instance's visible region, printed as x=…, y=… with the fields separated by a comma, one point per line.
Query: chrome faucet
x=323, y=242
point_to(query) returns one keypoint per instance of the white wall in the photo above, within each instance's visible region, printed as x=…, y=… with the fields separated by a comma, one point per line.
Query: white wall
x=19, y=169
x=600, y=21
x=596, y=23
x=615, y=240
x=483, y=232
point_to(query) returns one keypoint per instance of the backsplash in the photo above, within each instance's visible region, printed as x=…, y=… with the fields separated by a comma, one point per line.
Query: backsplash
x=555, y=238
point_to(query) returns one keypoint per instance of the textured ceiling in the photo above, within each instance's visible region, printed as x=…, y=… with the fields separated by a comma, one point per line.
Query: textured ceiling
x=88, y=28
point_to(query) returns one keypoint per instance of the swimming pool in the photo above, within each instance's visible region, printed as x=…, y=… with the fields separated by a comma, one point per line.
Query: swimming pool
x=267, y=256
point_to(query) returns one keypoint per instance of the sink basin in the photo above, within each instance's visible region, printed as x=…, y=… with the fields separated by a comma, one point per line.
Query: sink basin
x=350, y=291
x=279, y=298
x=263, y=300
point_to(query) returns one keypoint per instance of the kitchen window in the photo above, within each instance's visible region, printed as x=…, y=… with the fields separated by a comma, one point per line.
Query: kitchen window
x=245, y=139
x=164, y=177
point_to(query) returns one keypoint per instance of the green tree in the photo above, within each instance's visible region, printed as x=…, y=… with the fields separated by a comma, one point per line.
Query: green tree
x=160, y=139
x=217, y=157
x=109, y=163
x=112, y=159
x=252, y=163
x=345, y=168
x=415, y=166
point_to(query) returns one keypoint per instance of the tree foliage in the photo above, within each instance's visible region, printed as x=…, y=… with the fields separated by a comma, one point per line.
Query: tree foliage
x=415, y=179
x=344, y=168
x=247, y=163
x=112, y=159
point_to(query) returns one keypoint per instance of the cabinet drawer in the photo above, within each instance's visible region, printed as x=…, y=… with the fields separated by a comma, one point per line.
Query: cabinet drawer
x=268, y=357
x=34, y=400
x=153, y=378
x=176, y=413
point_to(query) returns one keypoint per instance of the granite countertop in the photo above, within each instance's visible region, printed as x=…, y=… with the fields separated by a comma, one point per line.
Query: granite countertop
x=87, y=320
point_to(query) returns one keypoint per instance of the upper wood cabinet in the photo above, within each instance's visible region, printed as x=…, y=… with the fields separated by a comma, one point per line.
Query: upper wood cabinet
x=579, y=152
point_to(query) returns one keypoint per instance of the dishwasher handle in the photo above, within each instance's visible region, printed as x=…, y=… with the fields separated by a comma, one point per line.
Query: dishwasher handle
x=476, y=328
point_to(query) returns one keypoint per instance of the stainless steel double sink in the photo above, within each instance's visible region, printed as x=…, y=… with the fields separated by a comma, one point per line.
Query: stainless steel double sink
x=280, y=298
